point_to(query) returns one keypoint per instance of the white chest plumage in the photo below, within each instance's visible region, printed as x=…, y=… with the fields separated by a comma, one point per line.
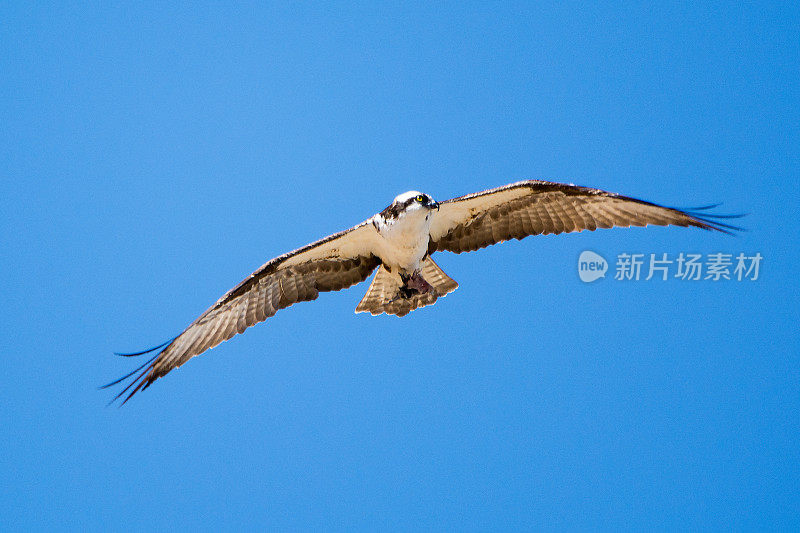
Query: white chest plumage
x=403, y=241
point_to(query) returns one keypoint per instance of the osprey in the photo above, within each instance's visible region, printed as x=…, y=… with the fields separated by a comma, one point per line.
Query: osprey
x=399, y=242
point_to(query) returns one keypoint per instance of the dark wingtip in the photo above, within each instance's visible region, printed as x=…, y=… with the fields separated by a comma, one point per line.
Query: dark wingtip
x=700, y=217
x=713, y=221
x=715, y=225
x=143, y=380
x=126, y=376
x=702, y=207
x=134, y=354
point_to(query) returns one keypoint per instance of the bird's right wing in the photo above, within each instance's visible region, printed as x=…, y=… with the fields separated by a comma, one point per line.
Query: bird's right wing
x=330, y=264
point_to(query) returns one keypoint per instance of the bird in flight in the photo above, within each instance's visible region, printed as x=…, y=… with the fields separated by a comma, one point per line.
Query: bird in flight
x=399, y=242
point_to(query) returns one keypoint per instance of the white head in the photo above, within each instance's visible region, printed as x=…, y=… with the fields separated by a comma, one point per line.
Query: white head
x=413, y=200
x=409, y=203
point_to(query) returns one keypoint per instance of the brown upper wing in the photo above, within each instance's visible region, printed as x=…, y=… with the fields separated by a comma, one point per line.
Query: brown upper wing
x=539, y=207
x=333, y=263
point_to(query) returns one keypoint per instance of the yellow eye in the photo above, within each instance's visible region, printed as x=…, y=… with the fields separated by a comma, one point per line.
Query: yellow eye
x=419, y=198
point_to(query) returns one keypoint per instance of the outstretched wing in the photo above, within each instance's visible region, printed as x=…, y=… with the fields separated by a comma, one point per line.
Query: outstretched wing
x=535, y=207
x=333, y=263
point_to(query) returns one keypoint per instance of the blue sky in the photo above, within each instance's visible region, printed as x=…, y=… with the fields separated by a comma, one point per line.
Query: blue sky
x=153, y=156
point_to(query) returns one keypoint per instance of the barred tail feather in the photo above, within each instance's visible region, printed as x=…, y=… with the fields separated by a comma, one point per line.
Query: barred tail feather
x=384, y=285
x=384, y=294
x=434, y=275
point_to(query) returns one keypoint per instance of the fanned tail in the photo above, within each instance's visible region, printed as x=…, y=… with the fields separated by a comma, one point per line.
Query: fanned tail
x=389, y=293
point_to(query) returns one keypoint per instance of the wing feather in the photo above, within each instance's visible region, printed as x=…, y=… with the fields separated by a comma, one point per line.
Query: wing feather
x=535, y=207
x=333, y=263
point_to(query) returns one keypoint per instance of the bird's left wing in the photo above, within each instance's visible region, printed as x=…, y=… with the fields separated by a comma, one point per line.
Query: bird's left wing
x=330, y=264
x=537, y=207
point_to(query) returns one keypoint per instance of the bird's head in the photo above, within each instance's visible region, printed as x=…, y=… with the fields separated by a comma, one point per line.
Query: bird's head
x=413, y=200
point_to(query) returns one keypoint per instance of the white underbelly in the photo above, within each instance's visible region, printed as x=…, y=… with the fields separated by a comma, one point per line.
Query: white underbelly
x=405, y=258
x=403, y=245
